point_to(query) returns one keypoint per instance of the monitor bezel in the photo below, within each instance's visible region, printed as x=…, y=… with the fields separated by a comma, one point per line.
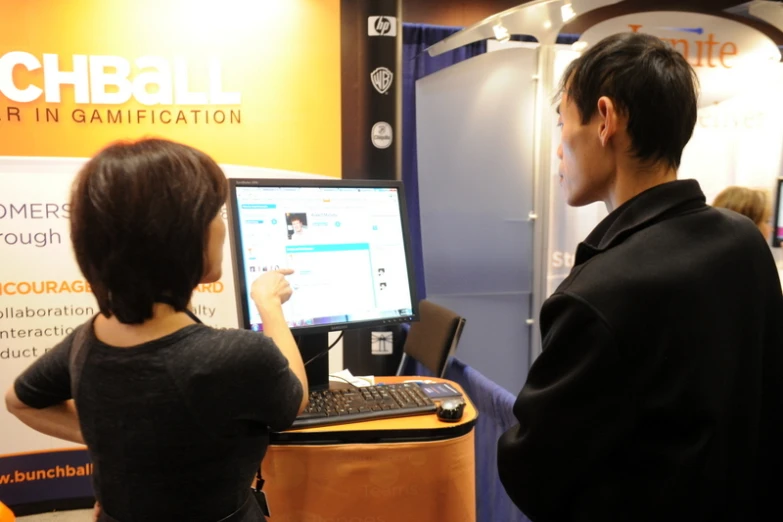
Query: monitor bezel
x=238, y=264
x=776, y=241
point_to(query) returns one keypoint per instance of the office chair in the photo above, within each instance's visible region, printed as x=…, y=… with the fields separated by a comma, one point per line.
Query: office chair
x=433, y=339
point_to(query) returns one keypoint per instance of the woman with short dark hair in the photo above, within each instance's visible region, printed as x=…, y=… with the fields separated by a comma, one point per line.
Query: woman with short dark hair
x=175, y=415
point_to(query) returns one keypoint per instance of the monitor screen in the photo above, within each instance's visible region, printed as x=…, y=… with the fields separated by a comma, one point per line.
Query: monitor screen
x=777, y=224
x=347, y=242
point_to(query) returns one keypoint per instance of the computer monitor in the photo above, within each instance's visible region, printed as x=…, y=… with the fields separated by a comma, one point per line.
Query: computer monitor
x=346, y=240
x=777, y=224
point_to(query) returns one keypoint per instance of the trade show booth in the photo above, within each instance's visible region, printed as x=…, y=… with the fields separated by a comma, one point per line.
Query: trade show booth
x=307, y=92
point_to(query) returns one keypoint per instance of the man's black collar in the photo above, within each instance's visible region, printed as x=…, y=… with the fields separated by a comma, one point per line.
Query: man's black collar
x=645, y=209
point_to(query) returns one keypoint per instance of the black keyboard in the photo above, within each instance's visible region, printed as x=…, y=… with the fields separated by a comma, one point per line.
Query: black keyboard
x=366, y=403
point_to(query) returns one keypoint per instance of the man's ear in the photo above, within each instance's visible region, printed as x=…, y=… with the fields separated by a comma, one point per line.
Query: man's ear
x=607, y=112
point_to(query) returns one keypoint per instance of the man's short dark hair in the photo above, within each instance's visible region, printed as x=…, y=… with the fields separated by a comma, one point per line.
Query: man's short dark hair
x=140, y=215
x=648, y=81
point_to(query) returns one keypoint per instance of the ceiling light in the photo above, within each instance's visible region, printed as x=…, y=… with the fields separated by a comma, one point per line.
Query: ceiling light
x=501, y=33
x=567, y=12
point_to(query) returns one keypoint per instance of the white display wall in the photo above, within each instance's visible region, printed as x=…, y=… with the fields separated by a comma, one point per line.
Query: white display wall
x=475, y=153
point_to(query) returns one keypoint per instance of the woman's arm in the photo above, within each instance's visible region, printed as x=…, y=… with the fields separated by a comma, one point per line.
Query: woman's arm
x=269, y=292
x=60, y=420
x=276, y=328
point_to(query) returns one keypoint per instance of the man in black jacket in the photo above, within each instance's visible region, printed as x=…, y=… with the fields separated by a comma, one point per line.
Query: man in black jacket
x=659, y=392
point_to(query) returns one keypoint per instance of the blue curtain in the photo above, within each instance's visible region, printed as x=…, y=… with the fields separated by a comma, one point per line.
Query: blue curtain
x=495, y=405
x=563, y=38
x=417, y=64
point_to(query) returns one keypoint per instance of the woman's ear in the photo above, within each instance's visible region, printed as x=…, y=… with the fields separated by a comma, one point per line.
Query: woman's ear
x=213, y=250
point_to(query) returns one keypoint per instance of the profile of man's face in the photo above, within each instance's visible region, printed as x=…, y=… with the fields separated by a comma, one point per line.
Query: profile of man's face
x=297, y=224
x=582, y=172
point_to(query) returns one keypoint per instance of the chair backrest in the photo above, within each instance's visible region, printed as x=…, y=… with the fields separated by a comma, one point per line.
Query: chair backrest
x=434, y=338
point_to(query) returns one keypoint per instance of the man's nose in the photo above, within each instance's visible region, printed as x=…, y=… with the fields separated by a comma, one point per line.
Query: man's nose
x=560, y=151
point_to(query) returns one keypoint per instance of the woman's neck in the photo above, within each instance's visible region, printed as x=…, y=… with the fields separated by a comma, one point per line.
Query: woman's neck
x=165, y=321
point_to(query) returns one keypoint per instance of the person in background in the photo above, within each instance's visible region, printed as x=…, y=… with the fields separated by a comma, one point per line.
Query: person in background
x=175, y=415
x=659, y=392
x=751, y=203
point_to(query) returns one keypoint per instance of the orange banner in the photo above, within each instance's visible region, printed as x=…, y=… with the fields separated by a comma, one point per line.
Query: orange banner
x=250, y=82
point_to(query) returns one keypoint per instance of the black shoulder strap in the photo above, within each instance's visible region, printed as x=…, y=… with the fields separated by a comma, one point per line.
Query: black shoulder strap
x=169, y=301
x=79, y=354
x=192, y=316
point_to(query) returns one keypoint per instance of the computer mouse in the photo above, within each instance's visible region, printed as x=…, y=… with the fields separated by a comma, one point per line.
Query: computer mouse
x=450, y=410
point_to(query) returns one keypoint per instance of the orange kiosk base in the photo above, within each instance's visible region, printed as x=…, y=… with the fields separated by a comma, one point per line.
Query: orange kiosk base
x=392, y=470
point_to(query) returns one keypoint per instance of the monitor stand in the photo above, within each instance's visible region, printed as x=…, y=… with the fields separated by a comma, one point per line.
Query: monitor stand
x=311, y=345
